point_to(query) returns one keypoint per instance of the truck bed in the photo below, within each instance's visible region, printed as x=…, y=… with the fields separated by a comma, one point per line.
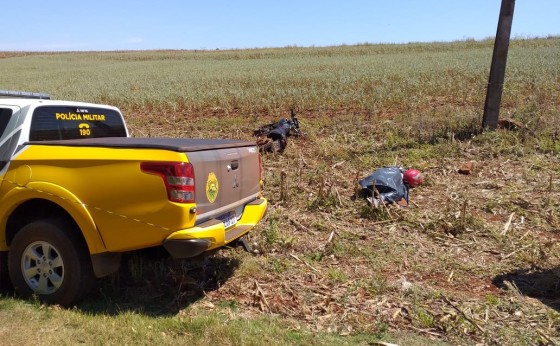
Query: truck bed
x=229, y=166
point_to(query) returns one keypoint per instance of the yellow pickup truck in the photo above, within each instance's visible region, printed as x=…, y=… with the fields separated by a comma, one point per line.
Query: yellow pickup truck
x=76, y=192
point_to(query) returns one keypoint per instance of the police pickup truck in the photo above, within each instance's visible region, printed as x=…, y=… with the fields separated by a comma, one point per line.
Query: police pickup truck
x=76, y=192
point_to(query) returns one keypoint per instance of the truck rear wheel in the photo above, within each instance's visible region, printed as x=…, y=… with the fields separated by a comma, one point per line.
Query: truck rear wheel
x=47, y=261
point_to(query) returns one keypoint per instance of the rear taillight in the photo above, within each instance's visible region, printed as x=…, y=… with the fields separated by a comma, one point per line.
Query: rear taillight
x=178, y=178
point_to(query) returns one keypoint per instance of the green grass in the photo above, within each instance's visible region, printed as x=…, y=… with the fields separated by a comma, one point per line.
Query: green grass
x=52, y=325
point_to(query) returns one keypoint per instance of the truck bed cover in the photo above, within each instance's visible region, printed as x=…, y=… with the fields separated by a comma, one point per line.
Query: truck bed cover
x=183, y=145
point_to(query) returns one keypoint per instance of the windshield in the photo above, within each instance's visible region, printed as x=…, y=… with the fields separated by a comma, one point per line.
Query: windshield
x=68, y=122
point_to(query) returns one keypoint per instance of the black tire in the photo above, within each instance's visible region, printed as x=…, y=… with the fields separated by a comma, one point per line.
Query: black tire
x=48, y=259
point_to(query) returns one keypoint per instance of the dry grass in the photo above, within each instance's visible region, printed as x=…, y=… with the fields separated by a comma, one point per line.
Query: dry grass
x=474, y=258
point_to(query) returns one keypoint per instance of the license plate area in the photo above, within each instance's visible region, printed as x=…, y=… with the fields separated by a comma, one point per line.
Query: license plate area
x=229, y=219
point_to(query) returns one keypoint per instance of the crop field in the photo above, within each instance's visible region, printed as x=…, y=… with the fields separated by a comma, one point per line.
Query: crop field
x=473, y=259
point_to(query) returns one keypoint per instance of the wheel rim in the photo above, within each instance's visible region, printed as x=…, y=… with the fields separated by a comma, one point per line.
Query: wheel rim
x=42, y=267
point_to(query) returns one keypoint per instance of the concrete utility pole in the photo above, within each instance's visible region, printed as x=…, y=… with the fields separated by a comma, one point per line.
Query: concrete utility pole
x=498, y=67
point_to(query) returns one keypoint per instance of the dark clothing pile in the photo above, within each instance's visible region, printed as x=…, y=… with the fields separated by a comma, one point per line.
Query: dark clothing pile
x=385, y=185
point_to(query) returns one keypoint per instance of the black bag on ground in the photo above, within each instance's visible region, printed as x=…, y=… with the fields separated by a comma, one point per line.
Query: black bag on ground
x=385, y=184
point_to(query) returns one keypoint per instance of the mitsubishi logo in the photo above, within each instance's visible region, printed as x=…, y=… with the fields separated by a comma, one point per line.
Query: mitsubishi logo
x=235, y=183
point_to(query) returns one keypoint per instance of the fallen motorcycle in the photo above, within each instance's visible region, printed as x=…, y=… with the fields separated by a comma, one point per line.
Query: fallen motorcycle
x=273, y=137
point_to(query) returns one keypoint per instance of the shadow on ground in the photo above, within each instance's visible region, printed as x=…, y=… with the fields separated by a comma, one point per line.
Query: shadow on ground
x=153, y=284
x=543, y=285
x=5, y=284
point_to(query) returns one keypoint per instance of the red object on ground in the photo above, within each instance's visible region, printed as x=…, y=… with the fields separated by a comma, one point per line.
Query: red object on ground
x=413, y=177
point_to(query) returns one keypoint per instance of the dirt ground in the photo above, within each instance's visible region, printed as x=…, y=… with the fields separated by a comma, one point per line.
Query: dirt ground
x=474, y=258
x=447, y=254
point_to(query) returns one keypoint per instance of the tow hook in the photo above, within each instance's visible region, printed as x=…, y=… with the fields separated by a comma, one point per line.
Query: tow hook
x=244, y=244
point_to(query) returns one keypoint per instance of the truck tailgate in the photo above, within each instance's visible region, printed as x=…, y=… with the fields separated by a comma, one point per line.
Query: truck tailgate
x=225, y=179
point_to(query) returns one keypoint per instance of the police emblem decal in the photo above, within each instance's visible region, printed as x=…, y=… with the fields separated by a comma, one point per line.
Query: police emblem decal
x=212, y=187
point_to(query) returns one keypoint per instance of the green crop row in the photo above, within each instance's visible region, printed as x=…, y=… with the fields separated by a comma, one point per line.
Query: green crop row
x=364, y=78
x=425, y=91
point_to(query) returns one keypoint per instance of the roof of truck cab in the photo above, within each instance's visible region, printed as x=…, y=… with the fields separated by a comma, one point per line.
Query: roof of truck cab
x=24, y=102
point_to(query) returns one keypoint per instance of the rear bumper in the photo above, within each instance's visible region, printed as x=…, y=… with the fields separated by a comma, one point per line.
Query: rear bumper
x=212, y=233
x=185, y=248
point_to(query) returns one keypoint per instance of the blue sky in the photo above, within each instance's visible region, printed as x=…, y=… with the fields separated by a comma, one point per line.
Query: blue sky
x=64, y=25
